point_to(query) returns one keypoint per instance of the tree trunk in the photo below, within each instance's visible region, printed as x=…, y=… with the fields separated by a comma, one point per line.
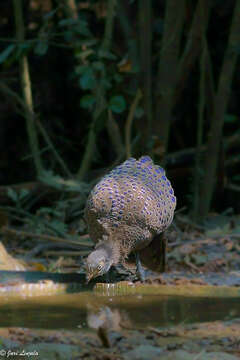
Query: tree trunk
x=167, y=70
x=27, y=90
x=220, y=107
x=145, y=51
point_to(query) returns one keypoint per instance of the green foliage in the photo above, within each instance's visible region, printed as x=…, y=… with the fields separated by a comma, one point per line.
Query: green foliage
x=67, y=185
x=102, y=79
x=55, y=222
x=77, y=26
x=7, y=52
x=95, y=66
x=139, y=112
x=14, y=52
x=47, y=211
x=18, y=197
x=87, y=80
x=52, y=220
x=12, y=194
x=236, y=177
x=117, y=104
x=87, y=101
x=41, y=48
x=230, y=119
x=106, y=55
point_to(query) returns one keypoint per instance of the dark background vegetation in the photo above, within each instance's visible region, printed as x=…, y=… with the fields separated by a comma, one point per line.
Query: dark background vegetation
x=86, y=84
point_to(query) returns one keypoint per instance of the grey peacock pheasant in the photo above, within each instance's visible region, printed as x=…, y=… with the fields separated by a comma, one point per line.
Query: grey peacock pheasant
x=128, y=208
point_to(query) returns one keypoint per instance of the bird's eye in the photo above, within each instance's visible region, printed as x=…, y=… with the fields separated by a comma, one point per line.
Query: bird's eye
x=99, y=267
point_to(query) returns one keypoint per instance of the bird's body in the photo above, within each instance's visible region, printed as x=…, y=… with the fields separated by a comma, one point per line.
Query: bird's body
x=126, y=210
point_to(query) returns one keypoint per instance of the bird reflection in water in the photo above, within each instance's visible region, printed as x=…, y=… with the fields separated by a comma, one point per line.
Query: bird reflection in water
x=107, y=318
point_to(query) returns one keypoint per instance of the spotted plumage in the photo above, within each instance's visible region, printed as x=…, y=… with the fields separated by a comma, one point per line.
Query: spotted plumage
x=125, y=210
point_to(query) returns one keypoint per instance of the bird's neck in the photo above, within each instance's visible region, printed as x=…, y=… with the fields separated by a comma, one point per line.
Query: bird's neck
x=111, y=249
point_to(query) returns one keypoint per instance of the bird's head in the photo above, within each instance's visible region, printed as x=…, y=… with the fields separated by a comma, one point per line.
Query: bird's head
x=97, y=264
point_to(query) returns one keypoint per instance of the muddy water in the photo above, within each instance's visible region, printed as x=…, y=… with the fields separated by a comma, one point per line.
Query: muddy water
x=90, y=310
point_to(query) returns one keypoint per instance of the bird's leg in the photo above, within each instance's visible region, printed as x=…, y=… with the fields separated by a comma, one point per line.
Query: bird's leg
x=140, y=270
x=107, y=278
x=163, y=257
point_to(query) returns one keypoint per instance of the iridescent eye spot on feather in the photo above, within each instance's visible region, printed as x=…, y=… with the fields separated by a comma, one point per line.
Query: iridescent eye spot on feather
x=145, y=159
x=159, y=170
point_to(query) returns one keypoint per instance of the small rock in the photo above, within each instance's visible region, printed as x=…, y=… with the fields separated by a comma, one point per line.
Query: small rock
x=184, y=355
x=143, y=352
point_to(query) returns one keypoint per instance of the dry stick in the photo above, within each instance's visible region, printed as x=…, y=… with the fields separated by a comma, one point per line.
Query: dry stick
x=46, y=246
x=115, y=135
x=30, y=216
x=53, y=149
x=129, y=121
x=6, y=230
x=229, y=142
x=66, y=253
x=232, y=187
x=27, y=90
x=192, y=266
x=220, y=107
x=124, y=18
x=200, y=123
x=185, y=155
x=167, y=69
x=5, y=88
x=187, y=221
x=71, y=8
x=100, y=94
x=128, y=32
x=232, y=161
x=198, y=356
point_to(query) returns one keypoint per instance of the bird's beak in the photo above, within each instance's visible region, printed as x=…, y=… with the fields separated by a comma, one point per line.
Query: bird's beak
x=88, y=278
